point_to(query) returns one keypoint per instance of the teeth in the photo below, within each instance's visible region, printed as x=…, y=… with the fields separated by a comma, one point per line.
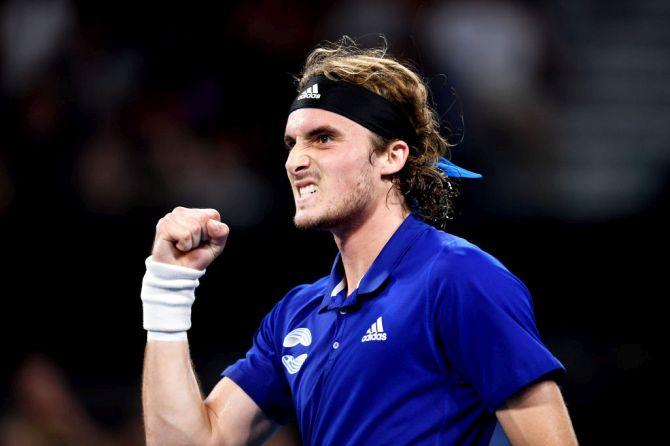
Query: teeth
x=307, y=190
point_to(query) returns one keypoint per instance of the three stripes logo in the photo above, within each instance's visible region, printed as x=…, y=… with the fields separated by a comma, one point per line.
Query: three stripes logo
x=375, y=332
x=299, y=336
x=310, y=93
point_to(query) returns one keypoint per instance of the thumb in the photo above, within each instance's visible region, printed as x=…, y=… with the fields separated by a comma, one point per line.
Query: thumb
x=218, y=232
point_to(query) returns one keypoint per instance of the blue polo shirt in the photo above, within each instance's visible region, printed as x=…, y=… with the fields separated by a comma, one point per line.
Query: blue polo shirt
x=436, y=337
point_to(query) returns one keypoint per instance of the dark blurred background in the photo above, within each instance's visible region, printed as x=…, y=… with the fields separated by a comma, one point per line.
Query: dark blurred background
x=113, y=114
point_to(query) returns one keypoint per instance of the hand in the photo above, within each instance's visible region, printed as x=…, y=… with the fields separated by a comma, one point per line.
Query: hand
x=189, y=237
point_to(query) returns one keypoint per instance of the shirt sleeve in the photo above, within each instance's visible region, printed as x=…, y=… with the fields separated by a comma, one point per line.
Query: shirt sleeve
x=260, y=376
x=485, y=319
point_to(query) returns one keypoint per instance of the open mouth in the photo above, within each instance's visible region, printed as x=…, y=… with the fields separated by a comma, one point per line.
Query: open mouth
x=308, y=190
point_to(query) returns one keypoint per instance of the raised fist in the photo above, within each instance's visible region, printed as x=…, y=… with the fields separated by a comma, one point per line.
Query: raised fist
x=189, y=237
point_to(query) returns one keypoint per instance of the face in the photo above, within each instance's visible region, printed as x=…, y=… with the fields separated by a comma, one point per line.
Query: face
x=333, y=182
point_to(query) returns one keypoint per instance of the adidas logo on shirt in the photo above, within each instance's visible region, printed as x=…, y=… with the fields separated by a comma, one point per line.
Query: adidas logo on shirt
x=375, y=332
x=310, y=93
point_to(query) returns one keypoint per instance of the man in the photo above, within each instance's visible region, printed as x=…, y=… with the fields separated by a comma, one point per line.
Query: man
x=416, y=337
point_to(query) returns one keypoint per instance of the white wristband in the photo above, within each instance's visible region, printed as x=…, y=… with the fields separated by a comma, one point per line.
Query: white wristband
x=168, y=291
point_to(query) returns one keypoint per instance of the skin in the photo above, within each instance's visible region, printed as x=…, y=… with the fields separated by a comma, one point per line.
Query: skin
x=537, y=416
x=334, y=153
x=356, y=202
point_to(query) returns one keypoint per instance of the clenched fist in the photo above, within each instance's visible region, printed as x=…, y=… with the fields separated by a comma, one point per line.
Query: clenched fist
x=189, y=237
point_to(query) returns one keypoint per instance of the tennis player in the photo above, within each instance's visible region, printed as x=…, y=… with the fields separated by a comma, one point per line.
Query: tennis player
x=415, y=337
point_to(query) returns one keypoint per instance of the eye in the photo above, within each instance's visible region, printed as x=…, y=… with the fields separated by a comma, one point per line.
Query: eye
x=289, y=145
x=324, y=138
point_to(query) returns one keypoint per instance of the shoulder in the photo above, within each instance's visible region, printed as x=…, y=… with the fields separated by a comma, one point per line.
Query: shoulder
x=456, y=255
x=300, y=300
x=458, y=264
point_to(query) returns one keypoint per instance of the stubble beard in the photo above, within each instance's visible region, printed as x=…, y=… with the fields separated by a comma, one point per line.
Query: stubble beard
x=345, y=211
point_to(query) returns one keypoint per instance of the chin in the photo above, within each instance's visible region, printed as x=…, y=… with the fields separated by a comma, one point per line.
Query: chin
x=308, y=220
x=327, y=220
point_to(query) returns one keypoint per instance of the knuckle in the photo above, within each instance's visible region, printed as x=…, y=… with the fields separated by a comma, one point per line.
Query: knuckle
x=200, y=216
x=206, y=214
x=184, y=240
x=184, y=233
x=182, y=220
x=171, y=224
x=174, y=233
x=214, y=213
x=163, y=226
x=194, y=215
x=192, y=224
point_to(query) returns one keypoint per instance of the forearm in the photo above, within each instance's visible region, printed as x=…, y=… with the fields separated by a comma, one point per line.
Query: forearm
x=174, y=412
x=186, y=242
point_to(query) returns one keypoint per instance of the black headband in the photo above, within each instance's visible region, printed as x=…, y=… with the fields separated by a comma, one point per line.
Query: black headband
x=372, y=111
x=359, y=104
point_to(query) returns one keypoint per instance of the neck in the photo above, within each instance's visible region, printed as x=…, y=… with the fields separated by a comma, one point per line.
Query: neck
x=364, y=238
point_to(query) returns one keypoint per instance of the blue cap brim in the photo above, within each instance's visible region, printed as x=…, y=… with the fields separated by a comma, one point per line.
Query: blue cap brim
x=453, y=171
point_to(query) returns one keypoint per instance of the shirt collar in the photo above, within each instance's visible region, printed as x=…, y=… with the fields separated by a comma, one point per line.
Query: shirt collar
x=379, y=271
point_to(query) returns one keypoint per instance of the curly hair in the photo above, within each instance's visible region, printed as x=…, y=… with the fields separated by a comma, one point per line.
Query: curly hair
x=425, y=189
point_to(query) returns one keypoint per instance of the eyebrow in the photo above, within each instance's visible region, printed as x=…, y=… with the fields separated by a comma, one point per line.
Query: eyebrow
x=315, y=132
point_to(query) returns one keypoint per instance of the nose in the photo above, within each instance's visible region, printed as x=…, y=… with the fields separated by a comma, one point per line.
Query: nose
x=296, y=161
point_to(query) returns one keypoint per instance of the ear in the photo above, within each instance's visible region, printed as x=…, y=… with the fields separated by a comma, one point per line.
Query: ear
x=394, y=158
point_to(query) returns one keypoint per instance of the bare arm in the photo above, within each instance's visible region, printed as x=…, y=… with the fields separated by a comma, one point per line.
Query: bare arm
x=187, y=241
x=537, y=416
x=174, y=410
